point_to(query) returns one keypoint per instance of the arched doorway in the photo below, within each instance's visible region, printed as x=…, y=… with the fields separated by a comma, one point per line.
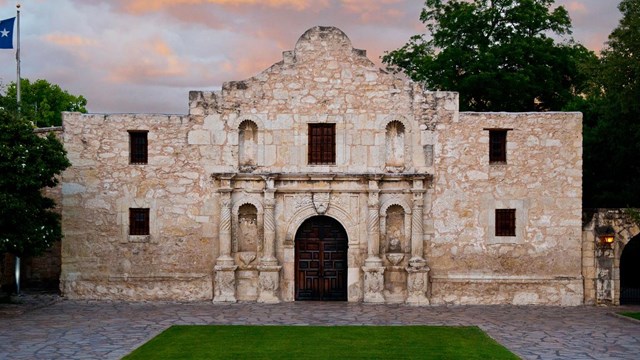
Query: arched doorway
x=321, y=260
x=630, y=272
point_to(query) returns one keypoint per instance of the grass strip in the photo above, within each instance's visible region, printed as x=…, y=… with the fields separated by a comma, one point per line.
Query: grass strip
x=635, y=315
x=321, y=342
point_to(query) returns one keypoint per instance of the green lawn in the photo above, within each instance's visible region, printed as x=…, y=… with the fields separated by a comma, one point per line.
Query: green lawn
x=635, y=315
x=321, y=342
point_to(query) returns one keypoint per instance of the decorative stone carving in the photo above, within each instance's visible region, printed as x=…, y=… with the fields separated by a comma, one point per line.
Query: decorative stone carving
x=395, y=258
x=321, y=202
x=373, y=284
x=246, y=257
x=225, y=284
x=268, y=256
x=268, y=284
x=417, y=285
x=301, y=202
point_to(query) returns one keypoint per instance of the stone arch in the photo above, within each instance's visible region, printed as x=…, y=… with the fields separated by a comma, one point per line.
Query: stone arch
x=625, y=231
x=384, y=122
x=385, y=245
x=308, y=211
x=603, y=270
x=236, y=246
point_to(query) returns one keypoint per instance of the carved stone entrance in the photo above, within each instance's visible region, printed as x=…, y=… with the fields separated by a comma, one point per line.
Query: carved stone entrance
x=321, y=260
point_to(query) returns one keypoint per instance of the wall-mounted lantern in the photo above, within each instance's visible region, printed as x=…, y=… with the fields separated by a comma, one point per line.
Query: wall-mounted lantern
x=606, y=236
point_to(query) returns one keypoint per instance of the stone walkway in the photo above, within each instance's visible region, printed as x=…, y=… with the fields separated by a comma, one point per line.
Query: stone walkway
x=109, y=330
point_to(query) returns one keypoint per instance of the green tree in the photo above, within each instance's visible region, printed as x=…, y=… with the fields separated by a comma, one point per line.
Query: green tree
x=28, y=163
x=499, y=54
x=42, y=101
x=612, y=118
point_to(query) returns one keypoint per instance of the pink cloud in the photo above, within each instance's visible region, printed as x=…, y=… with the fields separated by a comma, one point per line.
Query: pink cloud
x=155, y=59
x=141, y=6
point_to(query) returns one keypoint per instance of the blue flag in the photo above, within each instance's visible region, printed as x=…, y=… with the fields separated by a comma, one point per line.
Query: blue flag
x=6, y=33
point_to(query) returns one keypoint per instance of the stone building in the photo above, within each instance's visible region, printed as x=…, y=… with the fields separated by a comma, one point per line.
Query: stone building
x=324, y=178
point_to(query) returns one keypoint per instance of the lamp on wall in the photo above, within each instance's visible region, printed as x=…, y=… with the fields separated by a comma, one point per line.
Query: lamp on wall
x=606, y=236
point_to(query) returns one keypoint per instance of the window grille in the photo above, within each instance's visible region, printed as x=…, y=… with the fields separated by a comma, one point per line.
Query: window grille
x=505, y=222
x=322, y=144
x=138, y=221
x=138, y=147
x=497, y=146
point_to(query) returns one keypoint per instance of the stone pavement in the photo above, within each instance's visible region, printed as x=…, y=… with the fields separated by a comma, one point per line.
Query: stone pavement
x=65, y=329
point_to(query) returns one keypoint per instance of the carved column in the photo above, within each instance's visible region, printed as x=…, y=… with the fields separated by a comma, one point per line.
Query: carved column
x=373, y=269
x=225, y=282
x=269, y=278
x=417, y=285
x=417, y=228
x=373, y=226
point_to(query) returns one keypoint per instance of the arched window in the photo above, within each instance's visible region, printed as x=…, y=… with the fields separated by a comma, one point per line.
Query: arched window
x=248, y=145
x=394, y=144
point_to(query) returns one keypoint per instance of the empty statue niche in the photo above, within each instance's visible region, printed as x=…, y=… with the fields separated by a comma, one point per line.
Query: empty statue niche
x=395, y=277
x=396, y=241
x=247, y=234
x=394, y=146
x=248, y=146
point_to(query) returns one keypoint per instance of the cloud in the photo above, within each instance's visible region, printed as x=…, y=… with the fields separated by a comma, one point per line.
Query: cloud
x=68, y=40
x=145, y=55
x=142, y=6
x=576, y=7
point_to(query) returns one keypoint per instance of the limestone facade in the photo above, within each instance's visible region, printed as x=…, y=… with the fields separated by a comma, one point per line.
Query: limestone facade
x=231, y=186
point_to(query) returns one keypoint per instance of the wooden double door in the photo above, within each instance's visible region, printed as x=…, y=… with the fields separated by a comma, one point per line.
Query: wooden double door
x=321, y=260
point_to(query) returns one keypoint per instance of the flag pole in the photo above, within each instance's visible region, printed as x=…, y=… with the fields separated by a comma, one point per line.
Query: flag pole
x=18, y=58
x=17, y=265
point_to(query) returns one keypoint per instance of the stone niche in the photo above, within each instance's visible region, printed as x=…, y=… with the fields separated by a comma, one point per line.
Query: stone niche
x=246, y=246
x=247, y=146
x=395, y=251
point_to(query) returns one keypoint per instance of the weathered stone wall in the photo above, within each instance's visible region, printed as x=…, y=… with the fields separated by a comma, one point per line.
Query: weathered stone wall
x=229, y=185
x=100, y=259
x=542, y=180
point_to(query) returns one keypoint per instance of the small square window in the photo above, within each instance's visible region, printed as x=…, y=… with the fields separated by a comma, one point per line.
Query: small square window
x=497, y=146
x=138, y=221
x=505, y=222
x=138, y=147
x=322, y=144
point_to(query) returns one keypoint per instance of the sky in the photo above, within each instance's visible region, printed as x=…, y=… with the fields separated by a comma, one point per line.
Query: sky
x=144, y=56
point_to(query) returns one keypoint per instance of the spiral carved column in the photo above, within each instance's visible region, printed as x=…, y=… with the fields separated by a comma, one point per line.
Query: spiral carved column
x=225, y=280
x=373, y=269
x=417, y=271
x=269, y=277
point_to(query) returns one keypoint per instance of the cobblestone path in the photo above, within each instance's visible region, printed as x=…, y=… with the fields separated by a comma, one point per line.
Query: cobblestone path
x=110, y=330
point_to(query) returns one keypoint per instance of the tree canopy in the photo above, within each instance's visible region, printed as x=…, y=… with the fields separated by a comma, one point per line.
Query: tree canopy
x=28, y=163
x=612, y=118
x=499, y=54
x=41, y=101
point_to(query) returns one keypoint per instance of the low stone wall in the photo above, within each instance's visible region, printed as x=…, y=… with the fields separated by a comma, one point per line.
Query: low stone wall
x=154, y=288
x=492, y=291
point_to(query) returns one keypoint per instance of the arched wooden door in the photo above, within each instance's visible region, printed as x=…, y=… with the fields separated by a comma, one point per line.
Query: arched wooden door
x=321, y=260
